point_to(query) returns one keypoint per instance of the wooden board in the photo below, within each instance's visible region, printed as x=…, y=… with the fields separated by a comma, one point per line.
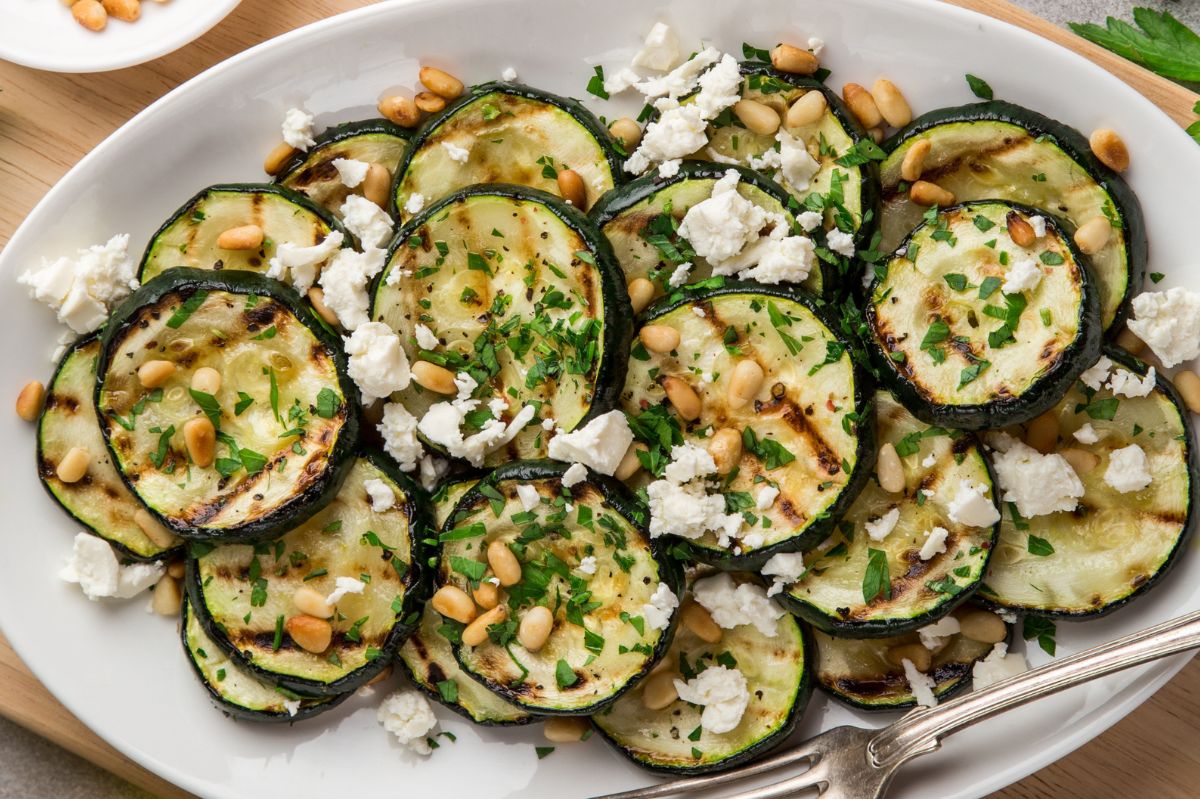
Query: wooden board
x=48, y=121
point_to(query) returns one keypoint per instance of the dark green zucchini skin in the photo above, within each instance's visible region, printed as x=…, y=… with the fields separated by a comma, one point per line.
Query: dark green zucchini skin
x=322, y=491
x=1081, y=354
x=340, y=133
x=1074, y=144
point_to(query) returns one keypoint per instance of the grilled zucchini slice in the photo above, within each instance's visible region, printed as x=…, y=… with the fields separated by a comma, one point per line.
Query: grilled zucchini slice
x=778, y=671
x=524, y=295
x=189, y=237
x=998, y=150
x=100, y=501
x=599, y=646
x=800, y=432
x=1114, y=547
x=954, y=346
x=243, y=593
x=312, y=173
x=915, y=592
x=511, y=134
x=286, y=411
x=640, y=220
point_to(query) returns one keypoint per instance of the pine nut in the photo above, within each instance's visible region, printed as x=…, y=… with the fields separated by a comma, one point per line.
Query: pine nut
x=160, y=536
x=1128, y=341
x=1081, y=460
x=124, y=10
x=377, y=185
x=641, y=291
x=789, y=58
x=453, y=603
x=630, y=464
x=1019, y=230
x=757, y=118
x=726, y=449
x=889, y=470
x=891, y=103
x=682, y=397
x=925, y=193
x=917, y=654
x=697, y=619
x=432, y=377
x=504, y=563
x=862, y=105
x=90, y=14
x=206, y=380
x=535, y=627
x=476, y=632
x=1042, y=433
x=745, y=382
x=571, y=188
x=310, y=601
x=440, y=82
x=626, y=131
x=659, y=338
x=244, y=237
x=809, y=108
x=1092, y=235
x=74, y=465
x=429, y=102
x=29, y=401
x=177, y=569
x=913, y=164
x=316, y=298
x=278, y=157
x=1187, y=383
x=659, y=691
x=201, y=439
x=565, y=729
x=153, y=374
x=983, y=626
x=487, y=595
x=310, y=633
x=400, y=110
x=167, y=598
x=1110, y=148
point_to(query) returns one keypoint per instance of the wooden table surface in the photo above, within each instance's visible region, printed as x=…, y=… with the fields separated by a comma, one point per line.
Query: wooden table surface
x=49, y=121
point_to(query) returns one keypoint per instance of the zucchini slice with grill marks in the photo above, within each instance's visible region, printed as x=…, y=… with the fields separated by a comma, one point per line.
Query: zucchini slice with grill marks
x=100, y=501
x=1113, y=547
x=428, y=655
x=955, y=346
x=997, y=150
x=312, y=173
x=243, y=594
x=799, y=433
x=857, y=671
x=599, y=646
x=907, y=592
x=640, y=220
x=505, y=133
x=286, y=412
x=524, y=294
x=236, y=691
x=778, y=671
x=189, y=237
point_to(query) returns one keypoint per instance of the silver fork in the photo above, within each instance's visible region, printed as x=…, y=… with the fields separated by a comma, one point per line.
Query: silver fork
x=853, y=763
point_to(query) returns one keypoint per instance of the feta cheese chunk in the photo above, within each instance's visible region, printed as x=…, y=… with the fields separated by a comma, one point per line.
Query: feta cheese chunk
x=840, y=242
x=407, y=715
x=1094, y=376
x=881, y=528
x=1128, y=469
x=680, y=275
x=723, y=694
x=999, y=665
x=688, y=511
x=935, y=543
x=378, y=365
x=345, y=585
x=620, y=80
x=299, y=265
x=1023, y=275
x=414, y=203
x=398, y=428
x=922, y=685
x=660, y=50
x=682, y=79
x=1169, y=322
x=381, y=494
x=689, y=461
x=933, y=636
x=509, y=74
x=766, y=497
x=457, y=153
x=1037, y=484
x=529, y=496
x=442, y=425
x=719, y=227
x=297, y=128
x=810, y=220
x=658, y=611
x=588, y=564
x=731, y=605
x=971, y=506
x=1086, y=434
x=778, y=260
x=292, y=706
x=720, y=87
x=784, y=568
x=1038, y=223
x=367, y=221
x=94, y=566
x=796, y=165
x=83, y=289
x=344, y=282
x=426, y=340
x=676, y=133
x=600, y=444
x=350, y=171
x=576, y=473
x=1125, y=383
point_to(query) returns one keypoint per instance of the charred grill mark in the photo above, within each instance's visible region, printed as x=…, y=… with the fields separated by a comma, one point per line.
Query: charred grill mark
x=256, y=209
x=260, y=316
x=434, y=673
x=319, y=172
x=972, y=161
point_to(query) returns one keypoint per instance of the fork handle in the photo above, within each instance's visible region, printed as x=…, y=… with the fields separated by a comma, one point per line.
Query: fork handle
x=921, y=730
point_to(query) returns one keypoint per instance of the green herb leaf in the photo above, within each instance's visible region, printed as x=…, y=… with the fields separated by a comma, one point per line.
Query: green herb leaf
x=1160, y=43
x=189, y=307
x=980, y=87
x=564, y=674
x=1040, y=546
x=208, y=403
x=956, y=281
x=1043, y=630
x=876, y=579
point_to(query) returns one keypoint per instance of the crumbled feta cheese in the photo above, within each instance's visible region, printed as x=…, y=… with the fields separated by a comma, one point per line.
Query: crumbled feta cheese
x=297, y=128
x=343, y=586
x=600, y=444
x=408, y=716
x=689, y=461
x=768, y=161
x=815, y=45
x=65, y=341
x=457, y=153
x=1128, y=384
x=588, y=564
x=922, y=685
x=719, y=227
x=94, y=566
x=1037, y=484
x=465, y=384
x=881, y=528
x=935, y=543
x=432, y=469
x=367, y=221
x=300, y=265
x=658, y=611
x=784, y=568
x=1169, y=322
x=676, y=133
x=344, y=282
x=1086, y=434
x=660, y=50
x=972, y=507
x=1023, y=275
x=698, y=310
x=688, y=511
x=731, y=605
x=840, y=242
x=442, y=425
x=680, y=275
x=576, y=473
x=1000, y=664
x=720, y=87
x=378, y=365
x=670, y=168
x=723, y=694
x=528, y=495
x=682, y=79
x=292, y=706
x=795, y=163
x=766, y=497
x=426, y=340
x=779, y=260
x=1128, y=469
x=381, y=494
x=398, y=428
x=83, y=289
x=1038, y=223
x=620, y=80
x=509, y=74
x=1094, y=376
x=414, y=203
x=350, y=171
x=933, y=636
x=548, y=423
x=929, y=462
x=810, y=220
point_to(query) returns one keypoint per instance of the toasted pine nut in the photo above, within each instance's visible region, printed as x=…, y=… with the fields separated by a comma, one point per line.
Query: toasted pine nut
x=809, y=108
x=316, y=298
x=154, y=530
x=1091, y=236
x=1128, y=341
x=74, y=465
x=206, y=379
x=201, y=439
x=29, y=401
x=476, y=633
x=565, y=729
x=891, y=103
x=913, y=164
x=916, y=654
x=983, y=626
x=700, y=622
x=744, y=383
x=535, y=627
x=487, y=595
x=889, y=470
x=641, y=291
x=441, y=83
x=310, y=633
x=683, y=397
x=453, y=603
x=925, y=193
x=432, y=377
x=153, y=374
x=401, y=110
x=659, y=690
x=726, y=449
x=862, y=105
x=278, y=157
x=659, y=338
x=571, y=188
x=1081, y=460
x=90, y=14
x=177, y=569
x=758, y=118
x=1019, y=229
x=789, y=58
x=630, y=464
x=244, y=237
x=429, y=102
x=167, y=598
x=627, y=131
x=310, y=601
x=124, y=10
x=504, y=563
x=1187, y=383
x=1110, y=148
x=377, y=184
x=1042, y=432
